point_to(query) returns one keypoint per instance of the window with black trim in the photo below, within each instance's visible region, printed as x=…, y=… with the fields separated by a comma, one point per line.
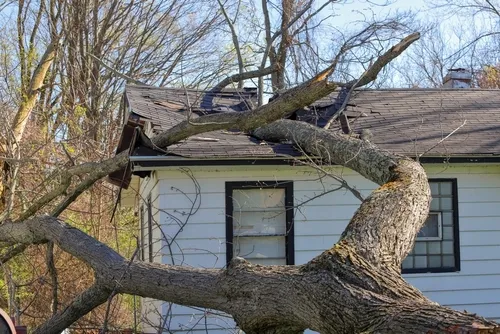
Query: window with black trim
x=259, y=222
x=437, y=247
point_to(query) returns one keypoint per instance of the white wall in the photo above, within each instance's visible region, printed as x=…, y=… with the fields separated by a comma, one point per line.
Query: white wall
x=151, y=310
x=193, y=201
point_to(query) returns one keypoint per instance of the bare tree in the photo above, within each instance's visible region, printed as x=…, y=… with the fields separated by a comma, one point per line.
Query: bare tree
x=63, y=68
x=458, y=34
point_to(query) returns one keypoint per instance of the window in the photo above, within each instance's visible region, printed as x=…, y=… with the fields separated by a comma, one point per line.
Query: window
x=259, y=222
x=437, y=247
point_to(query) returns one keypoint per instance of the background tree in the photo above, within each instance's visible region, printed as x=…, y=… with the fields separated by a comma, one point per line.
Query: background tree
x=61, y=89
x=455, y=34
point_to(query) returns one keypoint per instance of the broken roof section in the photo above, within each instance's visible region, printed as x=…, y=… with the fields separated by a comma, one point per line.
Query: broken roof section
x=165, y=107
x=406, y=121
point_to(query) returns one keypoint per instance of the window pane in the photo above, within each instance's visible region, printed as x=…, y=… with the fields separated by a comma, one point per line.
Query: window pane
x=254, y=223
x=259, y=247
x=446, y=203
x=420, y=261
x=434, y=247
x=435, y=204
x=448, y=261
x=408, y=262
x=434, y=261
x=257, y=199
x=445, y=188
x=420, y=248
x=447, y=218
x=434, y=188
x=447, y=247
x=447, y=233
x=431, y=227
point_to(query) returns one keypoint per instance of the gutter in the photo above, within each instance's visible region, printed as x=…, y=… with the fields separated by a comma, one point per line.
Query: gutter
x=144, y=163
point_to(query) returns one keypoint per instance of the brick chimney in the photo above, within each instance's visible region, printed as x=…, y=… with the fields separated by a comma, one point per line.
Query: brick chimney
x=457, y=78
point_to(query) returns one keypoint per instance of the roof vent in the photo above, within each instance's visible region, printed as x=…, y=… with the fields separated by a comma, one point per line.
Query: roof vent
x=457, y=78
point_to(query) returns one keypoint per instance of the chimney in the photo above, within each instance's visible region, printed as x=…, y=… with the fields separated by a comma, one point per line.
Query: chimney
x=457, y=78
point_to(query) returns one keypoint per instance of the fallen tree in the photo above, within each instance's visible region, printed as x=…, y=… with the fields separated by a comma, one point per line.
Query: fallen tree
x=354, y=287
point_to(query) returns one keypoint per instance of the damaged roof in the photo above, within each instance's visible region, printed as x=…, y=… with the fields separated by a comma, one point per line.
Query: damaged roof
x=406, y=121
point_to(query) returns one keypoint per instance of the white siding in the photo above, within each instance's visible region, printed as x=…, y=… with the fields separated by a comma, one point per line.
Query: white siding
x=151, y=310
x=192, y=206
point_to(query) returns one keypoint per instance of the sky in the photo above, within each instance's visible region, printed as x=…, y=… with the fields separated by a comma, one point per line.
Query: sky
x=355, y=9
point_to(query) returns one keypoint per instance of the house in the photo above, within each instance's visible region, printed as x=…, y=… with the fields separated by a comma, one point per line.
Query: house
x=222, y=194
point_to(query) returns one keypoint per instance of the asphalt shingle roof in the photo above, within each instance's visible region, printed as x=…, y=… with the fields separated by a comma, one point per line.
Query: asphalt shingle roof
x=408, y=121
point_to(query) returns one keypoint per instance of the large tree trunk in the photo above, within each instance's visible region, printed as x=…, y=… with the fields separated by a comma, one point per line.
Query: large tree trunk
x=353, y=287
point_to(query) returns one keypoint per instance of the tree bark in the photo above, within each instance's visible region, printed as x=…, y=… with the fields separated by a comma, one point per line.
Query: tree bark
x=21, y=118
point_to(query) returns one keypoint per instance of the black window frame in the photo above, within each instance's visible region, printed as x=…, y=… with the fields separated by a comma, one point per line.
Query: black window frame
x=456, y=234
x=141, y=233
x=150, y=228
x=290, y=233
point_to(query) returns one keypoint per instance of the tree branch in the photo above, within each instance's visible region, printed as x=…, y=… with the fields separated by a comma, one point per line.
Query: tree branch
x=118, y=73
x=14, y=251
x=243, y=76
x=97, y=170
x=293, y=99
x=372, y=72
x=81, y=305
x=384, y=228
x=36, y=82
x=236, y=43
x=337, y=292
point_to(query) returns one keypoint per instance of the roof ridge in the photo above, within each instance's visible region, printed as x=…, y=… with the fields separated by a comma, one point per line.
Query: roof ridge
x=223, y=90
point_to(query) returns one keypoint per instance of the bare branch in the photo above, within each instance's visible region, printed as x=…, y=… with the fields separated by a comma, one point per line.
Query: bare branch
x=118, y=73
x=244, y=76
x=81, y=305
x=12, y=252
x=97, y=169
x=442, y=140
x=293, y=99
x=236, y=44
x=372, y=72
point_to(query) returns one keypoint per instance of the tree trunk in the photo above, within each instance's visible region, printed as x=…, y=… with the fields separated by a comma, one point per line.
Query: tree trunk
x=336, y=292
x=20, y=120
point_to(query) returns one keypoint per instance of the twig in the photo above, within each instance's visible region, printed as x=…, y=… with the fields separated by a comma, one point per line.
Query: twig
x=442, y=140
x=53, y=275
x=14, y=251
x=14, y=160
x=118, y=73
x=344, y=104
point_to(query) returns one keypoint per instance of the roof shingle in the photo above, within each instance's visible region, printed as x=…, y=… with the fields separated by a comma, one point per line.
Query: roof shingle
x=407, y=121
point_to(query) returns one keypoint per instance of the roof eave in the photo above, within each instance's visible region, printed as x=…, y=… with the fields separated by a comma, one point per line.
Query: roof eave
x=146, y=163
